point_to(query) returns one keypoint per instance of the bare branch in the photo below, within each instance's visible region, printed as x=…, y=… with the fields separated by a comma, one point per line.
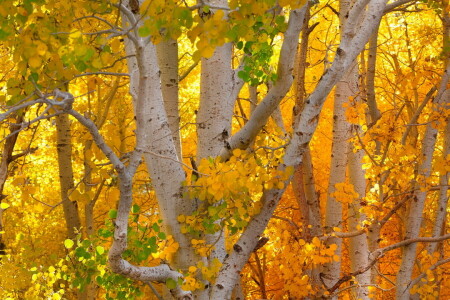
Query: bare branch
x=97, y=18
x=433, y=267
x=377, y=254
x=102, y=73
x=189, y=70
x=264, y=110
x=391, y=6
x=98, y=138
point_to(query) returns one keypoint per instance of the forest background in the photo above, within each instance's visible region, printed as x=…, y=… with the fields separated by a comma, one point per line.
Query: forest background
x=239, y=149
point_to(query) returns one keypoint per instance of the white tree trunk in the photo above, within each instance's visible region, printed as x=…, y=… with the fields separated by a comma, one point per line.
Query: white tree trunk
x=305, y=125
x=414, y=220
x=168, y=63
x=441, y=210
x=359, y=249
x=154, y=139
x=338, y=166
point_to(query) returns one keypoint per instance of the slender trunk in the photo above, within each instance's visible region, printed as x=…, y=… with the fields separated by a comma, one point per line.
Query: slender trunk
x=168, y=63
x=359, y=248
x=215, y=115
x=345, y=88
x=89, y=206
x=101, y=112
x=91, y=290
x=415, y=218
x=415, y=213
x=7, y=158
x=338, y=166
x=154, y=141
x=441, y=211
x=298, y=182
x=64, y=149
x=370, y=79
x=303, y=183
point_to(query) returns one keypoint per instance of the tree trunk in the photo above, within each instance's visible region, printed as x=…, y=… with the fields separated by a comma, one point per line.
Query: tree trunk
x=415, y=213
x=168, y=63
x=7, y=158
x=359, y=249
x=441, y=210
x=64, y=149
x=338, y=166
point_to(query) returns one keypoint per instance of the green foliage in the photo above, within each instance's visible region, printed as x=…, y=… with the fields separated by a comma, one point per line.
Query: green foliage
x=87, y=262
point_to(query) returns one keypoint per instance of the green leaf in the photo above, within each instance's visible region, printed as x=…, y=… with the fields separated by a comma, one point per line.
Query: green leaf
x=112, y=214
x=155, y=227
x=34, y=77
x=135, y=209
x=68, y=243
x=144, y=31
x=162, y=235
x=171, y=284
x=244, y=76
x=142, y=256
x=100, y=250
x=3, y=34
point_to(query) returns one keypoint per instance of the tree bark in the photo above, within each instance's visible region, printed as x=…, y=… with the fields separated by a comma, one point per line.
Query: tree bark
x=7, y=157
x=64, y=150
x=415, y=216
x=167, y=52
x=359, y=249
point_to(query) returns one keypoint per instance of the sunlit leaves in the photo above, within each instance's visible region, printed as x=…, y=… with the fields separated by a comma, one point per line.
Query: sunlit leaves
x=68, y=243
x=165, y=19
x=231, y=191
x=344, y=193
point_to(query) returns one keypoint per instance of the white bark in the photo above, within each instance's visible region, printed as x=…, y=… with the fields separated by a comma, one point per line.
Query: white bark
x=271, y=101
x=338, y=166
x=168, y=62
x=371, y=67
x=218, y=94
x=345, y=88
x=305, y=126
x=414, y=220
x=441, y=211
x=359, y=249
x=216, y=105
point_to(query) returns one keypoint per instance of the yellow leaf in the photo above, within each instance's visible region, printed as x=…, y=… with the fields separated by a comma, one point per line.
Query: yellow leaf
x=192, y=269
x=316, y=241
x=97, y=63
x=75, y=34
x=35, y=62
x=237, y=152
x=41, y=48
x=4, y=205
x=207, y=52
x=68, y=243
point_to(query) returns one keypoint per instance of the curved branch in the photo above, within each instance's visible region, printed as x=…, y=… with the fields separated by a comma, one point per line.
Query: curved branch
x=377, y=254
x=264, y=110
x=98, y=138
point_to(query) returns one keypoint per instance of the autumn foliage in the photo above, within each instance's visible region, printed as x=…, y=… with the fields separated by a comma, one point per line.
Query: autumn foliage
x=243, y=149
